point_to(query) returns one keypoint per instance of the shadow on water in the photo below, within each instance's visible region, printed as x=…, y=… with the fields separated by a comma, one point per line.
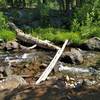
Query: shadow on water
x=51, y=91
x=54, y=90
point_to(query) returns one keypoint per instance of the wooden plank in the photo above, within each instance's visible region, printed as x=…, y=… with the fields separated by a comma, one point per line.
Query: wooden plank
x=52, y=64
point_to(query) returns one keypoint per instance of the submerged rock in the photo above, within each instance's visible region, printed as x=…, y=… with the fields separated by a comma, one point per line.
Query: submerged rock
x=12, y=82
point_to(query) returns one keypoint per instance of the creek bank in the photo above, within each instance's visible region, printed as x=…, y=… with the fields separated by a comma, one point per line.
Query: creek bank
x=72, y=55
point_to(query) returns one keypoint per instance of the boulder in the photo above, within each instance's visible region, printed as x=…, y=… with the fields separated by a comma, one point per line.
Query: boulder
x=73, y=56
x=11, y=45
x=93, y=43
x=1, y=44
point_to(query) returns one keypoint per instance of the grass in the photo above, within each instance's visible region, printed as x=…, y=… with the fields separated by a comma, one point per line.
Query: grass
x=56, y=35
x=88, y=32
x=60, y=35
x=7, y=35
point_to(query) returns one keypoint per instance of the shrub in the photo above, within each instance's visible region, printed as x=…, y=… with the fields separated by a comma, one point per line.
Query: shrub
x=88, y=32
x=3, y=21
x=7, y=35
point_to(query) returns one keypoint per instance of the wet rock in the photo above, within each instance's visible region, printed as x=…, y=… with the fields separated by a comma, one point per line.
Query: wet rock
x=2, y=45
x=2, y=69
x=12, y=82
x=79, y=84
x=1, y=75
x=73, y=56
x=93, y=43
x=67, y=78
x=11, y=45
x=89, y=82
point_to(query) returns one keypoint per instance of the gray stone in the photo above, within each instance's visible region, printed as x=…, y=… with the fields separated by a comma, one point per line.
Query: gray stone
x=93, y=43
x=2, y=69
x=11, y=45
x=12, y=82
x=73, y=56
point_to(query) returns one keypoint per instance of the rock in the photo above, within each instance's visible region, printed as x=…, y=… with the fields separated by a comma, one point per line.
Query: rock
x=11, y=45
x=79, y=84
x=93, y=43
x=89, y=82
x=67, y=78
x=1, y=40
x=73, y=56
x=2, y=69
x=2, y=45
x=12, y=82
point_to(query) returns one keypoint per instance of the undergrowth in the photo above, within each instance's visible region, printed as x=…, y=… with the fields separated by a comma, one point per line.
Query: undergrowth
x=7, y=35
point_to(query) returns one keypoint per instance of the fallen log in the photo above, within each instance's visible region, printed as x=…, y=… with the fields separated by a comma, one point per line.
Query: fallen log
x=52, y=64
x=73, y=69
x=91, y=71
x=26, y=38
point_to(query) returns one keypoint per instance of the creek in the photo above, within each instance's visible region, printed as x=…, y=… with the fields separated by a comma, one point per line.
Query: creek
x=34, y=62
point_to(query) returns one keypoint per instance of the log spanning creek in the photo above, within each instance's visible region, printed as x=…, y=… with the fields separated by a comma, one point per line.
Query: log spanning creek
x=20, y=70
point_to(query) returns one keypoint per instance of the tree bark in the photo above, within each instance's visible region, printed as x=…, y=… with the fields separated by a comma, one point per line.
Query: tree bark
x=28, y=39
x=52, y=64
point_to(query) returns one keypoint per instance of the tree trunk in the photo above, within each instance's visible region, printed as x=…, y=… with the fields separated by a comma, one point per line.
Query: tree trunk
x=28, y=39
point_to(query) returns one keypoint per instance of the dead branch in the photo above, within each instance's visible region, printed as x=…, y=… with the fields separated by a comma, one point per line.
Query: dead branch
x=28, y=39
x=52, y=64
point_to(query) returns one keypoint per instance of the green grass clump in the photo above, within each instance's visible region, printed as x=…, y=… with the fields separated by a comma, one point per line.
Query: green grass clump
x=7, y=35
x=60, y=35
x=88, y=32
x=56, y=35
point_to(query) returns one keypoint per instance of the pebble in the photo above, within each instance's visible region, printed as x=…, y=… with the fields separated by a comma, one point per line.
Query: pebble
x=67, y=78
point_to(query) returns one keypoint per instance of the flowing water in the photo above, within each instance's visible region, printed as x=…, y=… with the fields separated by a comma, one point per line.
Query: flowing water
x=34, y=62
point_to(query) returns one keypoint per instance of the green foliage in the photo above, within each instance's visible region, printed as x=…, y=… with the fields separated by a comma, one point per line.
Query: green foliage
x=44, y=10
x=84, y=23
x=2, y=3
x=88, y=32
x=7, y=35
x=57, y=35
x=75, y=26
x=86, y=19
x=3, y=21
